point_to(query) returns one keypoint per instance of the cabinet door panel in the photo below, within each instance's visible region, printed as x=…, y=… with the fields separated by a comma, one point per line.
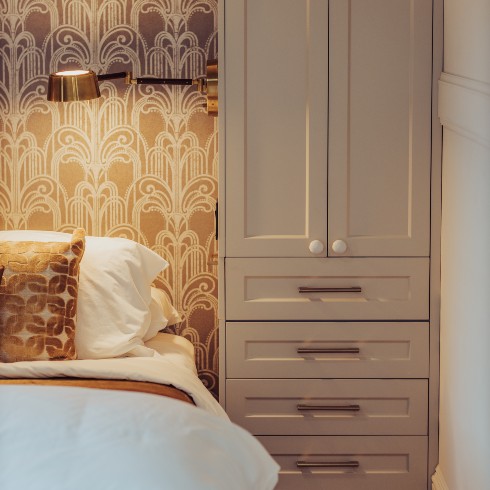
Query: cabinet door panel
x=276, y=129
x=370, y=289
x=384, y=462
x=380, y=120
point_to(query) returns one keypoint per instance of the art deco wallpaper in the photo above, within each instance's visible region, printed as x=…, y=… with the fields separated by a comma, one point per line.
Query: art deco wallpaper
x=140, y=162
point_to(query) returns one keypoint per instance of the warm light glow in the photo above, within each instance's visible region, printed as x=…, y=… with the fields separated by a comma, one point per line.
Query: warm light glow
x=71, y=73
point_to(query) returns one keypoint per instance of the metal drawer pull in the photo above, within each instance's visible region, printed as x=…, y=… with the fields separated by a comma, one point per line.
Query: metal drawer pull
x=342, y=408
x=305, y=289
x=328, y=350
x=327, y=464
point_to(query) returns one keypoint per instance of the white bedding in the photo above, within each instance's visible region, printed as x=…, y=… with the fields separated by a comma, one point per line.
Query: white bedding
x=166, y=359
x=70, y=438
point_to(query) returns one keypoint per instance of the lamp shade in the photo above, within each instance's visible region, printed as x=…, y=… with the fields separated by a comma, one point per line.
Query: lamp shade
x=69, y=86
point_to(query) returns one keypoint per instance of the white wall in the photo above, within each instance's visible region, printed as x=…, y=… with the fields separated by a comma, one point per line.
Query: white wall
x=467, y=38
x=464, y=108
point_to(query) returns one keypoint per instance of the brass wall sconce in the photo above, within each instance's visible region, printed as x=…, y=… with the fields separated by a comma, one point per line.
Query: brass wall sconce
x=76, y=85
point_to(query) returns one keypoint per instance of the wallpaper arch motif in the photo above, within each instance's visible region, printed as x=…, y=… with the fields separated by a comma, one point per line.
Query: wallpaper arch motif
x=140, y=162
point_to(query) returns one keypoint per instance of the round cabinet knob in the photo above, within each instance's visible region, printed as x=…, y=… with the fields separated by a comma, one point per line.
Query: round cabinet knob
x=339, y=246
x=316, y=247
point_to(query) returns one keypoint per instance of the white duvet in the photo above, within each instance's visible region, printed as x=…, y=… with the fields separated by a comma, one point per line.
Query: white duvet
x=88, y=439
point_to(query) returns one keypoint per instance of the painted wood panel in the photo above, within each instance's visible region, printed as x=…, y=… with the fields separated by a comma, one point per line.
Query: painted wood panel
x=276, y=129
x=384, y=289
x=380, y=126
x=384, y=462
x=328, y=406
x=327, y=350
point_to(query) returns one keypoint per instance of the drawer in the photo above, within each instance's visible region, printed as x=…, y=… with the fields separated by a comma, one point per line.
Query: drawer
x=343, y=289
x=367, y=463
x=327, y=350
x=328, y=406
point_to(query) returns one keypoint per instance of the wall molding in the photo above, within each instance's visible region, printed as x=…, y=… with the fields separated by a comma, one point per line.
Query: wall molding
x=438, y=481
x=464, y=107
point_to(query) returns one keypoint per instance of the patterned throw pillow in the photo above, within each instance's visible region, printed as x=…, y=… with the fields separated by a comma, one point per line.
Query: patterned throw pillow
x=38, y=299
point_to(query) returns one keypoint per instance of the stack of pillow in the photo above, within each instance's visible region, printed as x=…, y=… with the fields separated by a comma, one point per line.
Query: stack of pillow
x=68, y=296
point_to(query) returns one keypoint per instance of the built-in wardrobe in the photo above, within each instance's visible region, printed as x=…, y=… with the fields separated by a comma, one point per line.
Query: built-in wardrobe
x=329, y=236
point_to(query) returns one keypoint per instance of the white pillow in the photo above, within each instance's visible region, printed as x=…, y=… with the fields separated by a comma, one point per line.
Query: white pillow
x=162, y=312
x=114, y=292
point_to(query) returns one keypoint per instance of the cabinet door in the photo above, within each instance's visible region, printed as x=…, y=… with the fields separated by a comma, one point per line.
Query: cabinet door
x=380, y=116
x=276, y=89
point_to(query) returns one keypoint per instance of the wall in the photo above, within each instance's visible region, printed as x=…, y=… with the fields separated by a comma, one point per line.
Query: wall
x=140, y=162
x=464, y=108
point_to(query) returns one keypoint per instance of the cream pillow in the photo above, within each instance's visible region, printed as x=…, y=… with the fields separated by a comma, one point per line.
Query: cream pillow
x=114, y=292
x=162, y=312
x=115, y=295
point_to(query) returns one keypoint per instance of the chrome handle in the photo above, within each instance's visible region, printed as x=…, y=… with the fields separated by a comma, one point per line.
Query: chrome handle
x=331, y=408
x=305, y=289
x=327, y=464
x=328, y=350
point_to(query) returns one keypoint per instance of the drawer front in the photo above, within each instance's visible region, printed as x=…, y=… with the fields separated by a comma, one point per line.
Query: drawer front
x=344, y=289
x=328, y=406
x=327, y=350
x=382, y=462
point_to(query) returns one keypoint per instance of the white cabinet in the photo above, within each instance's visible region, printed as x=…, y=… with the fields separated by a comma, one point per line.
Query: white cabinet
x=326, y=291
x=328, y=135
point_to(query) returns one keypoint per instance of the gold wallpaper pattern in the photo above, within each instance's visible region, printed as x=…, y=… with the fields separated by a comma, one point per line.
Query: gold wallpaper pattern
x=140, y=162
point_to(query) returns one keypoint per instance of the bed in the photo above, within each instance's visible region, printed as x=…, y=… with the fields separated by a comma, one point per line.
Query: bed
x=93, y=395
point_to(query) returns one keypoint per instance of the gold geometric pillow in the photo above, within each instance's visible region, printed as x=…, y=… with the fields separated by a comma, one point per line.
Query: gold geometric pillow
x=38, y=299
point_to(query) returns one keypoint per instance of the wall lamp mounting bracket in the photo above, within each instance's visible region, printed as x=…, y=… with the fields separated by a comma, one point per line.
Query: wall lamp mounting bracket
x=77, y=85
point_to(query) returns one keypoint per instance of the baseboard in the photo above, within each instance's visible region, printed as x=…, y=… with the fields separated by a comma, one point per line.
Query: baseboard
x=438, y=481
x=464, y=107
